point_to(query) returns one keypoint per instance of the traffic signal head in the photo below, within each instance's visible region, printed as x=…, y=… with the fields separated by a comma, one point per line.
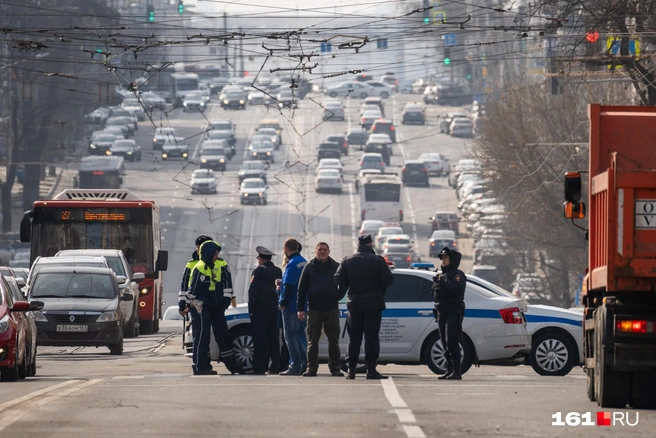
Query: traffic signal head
x=447, y=55
x=151, y=13
x=426, y=20
x=180, y=7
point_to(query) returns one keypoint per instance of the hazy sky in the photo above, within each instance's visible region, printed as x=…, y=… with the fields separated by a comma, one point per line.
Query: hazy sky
x=327, y=7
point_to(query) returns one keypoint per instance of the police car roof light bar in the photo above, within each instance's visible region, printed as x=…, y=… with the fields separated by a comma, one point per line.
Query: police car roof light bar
x=422, y=266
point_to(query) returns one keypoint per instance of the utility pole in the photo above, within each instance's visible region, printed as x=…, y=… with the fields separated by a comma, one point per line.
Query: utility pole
x=224, y=48
x=241, y=54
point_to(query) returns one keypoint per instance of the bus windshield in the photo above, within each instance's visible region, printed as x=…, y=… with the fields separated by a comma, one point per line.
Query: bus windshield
x=186, y=84
x=127, y=229
x=382, y=192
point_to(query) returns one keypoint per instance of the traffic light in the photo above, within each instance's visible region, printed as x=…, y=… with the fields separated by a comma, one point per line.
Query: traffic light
x=447, y=55
x=427, y=19
x=180, y=7
x=150, y=10
x=469, y=72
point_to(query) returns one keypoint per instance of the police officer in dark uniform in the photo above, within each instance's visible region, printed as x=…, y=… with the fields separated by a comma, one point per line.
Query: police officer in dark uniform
x=263, y=309
x=449, y=297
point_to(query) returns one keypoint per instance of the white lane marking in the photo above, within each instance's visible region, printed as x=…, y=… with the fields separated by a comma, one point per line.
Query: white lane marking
x=31, y=395
x=20, y=411
x=405, y=416
x=127, y=377
x=413, y=431
x=392, y=394
x=401, y=409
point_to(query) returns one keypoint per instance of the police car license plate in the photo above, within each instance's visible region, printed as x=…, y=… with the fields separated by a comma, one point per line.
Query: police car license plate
x=73, y=328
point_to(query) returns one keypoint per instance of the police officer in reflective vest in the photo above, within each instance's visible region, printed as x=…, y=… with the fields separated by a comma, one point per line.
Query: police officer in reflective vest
x=183, y=301
x=210, y=282
x=449, y=297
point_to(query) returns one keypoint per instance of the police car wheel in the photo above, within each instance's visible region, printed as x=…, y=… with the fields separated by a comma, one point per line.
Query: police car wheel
x=434, y=355
x=552, y=354
x=242, y=343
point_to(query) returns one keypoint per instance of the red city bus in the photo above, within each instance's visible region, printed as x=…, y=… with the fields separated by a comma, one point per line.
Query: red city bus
x=104, y=219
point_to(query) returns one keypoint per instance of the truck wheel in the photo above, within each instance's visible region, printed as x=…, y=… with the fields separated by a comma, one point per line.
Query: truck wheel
x=611, y=387
x=552, y=354
x=591, y=385
x=642, y=391
x=434, y=355
x=242, y=343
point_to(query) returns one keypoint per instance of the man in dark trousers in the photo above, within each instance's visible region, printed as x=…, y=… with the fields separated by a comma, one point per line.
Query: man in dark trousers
x=449, y=298
x=318, y=290
x=263, y=309
x=365, y=276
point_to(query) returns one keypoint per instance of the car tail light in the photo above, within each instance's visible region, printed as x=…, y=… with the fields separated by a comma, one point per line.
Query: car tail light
x=319, y=180
x=423, y=169
x=364, y=120
x=339, y=180
x=386, y=259
x=381, y=163
x=408, y=259
x=391, y=128
x=634, y=326
x=373, y=128
x=405, y=169
x=512, y=315
x=401, y=215
x=363, y=214
x=345, y=144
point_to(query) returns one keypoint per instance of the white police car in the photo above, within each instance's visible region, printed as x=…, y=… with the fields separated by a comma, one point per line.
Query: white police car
x=494, y=326
x=556, y=333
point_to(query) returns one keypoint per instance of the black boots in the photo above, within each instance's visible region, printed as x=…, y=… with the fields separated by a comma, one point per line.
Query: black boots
x=456, y=370
x=373, y=374
x=449, y=369
x=351, y=370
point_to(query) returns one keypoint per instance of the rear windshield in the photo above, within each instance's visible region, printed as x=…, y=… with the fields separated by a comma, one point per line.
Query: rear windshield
x=71, y=285
x=415, y=166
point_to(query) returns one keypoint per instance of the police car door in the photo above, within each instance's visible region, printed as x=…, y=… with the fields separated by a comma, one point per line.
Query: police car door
x=408, y=314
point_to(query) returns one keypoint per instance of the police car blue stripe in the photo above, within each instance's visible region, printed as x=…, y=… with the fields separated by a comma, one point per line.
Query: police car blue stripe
x=237, y=316
x=541, y=318
x=406, y=313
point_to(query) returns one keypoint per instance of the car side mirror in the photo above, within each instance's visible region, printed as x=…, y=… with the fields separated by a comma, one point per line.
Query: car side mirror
x=20, y=282
x=162, y=260
x=121, y=279
x=127, y=297
x=138, y=276
x=21, y=306
x=36, y=305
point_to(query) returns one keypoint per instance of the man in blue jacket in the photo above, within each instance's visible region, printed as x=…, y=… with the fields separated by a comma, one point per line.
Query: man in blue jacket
x=294, y=329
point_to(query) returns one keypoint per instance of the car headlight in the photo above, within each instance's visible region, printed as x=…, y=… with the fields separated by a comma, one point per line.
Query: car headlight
x=260, y=194
x=245, y=194
x=165, y=155
x=273, y=140
x=254, y=154
x=92, y=146
x=203, y=160
x=222, y=160
x=108, y=152
x=38, y=316
x=202, y=104
x=185, y=103
x=4, y=324
x=108, y=316
x=129, y=152
x=184, y=155
x=268, y=153
x=226, y=102
x=241, y=101
x=155, y=140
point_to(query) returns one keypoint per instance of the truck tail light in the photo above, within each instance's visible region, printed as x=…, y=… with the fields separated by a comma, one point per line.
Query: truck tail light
x=408, y=259
x=401, y=215
x=144, y=291
x=512, y=315
x=634, y=326
x=391, y=128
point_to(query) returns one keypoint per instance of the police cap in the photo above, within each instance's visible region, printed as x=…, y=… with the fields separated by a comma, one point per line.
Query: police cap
x=264, y=251
x=445, y=252
x=364, y=239
x=202, y=239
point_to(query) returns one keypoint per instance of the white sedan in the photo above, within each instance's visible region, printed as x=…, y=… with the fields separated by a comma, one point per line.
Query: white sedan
x=556, y=333
x=351, y=89
x=436, y=163
x=253, y=191
x=330, y=163
x=203, y=181
x=494, y=328
x=333, y=110
x=328, y=180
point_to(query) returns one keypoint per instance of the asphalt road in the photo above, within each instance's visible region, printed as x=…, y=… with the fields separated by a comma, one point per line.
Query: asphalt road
x=84, y=392
x=149, y=392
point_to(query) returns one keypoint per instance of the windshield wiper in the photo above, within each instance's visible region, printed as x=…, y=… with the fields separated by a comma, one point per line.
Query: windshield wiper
x=48, y=296
x=81, y=296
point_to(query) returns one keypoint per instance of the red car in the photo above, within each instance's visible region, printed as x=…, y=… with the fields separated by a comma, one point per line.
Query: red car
x=17, y=332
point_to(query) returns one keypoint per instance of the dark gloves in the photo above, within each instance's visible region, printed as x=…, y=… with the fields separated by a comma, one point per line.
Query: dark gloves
x=226, y=302
x=435, y=314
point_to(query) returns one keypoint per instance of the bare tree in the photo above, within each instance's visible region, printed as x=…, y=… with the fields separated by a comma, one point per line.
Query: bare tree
x=528, y=142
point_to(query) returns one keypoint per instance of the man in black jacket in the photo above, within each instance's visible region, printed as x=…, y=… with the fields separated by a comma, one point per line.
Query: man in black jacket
x=365, y=276
x=318, y=290
x=449, y=297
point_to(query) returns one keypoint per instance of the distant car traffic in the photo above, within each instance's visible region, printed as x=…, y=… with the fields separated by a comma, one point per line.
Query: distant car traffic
x=415, y=172
x=328, y=180
x=203, y=181
x=252, y=169
x=253, y=191
x=128, y=149
x=413, y=113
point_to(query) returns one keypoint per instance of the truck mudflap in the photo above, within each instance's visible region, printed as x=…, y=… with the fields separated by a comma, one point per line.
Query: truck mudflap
x=634, y=357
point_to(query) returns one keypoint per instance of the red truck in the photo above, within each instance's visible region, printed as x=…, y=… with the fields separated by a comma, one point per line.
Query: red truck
x=619, y=288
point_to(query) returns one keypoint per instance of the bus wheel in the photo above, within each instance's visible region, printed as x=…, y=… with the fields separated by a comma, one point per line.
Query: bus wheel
x=146, y=327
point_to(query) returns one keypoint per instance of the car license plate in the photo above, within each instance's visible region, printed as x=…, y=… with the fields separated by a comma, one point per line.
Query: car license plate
x=73, y=328
x=414, y=172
